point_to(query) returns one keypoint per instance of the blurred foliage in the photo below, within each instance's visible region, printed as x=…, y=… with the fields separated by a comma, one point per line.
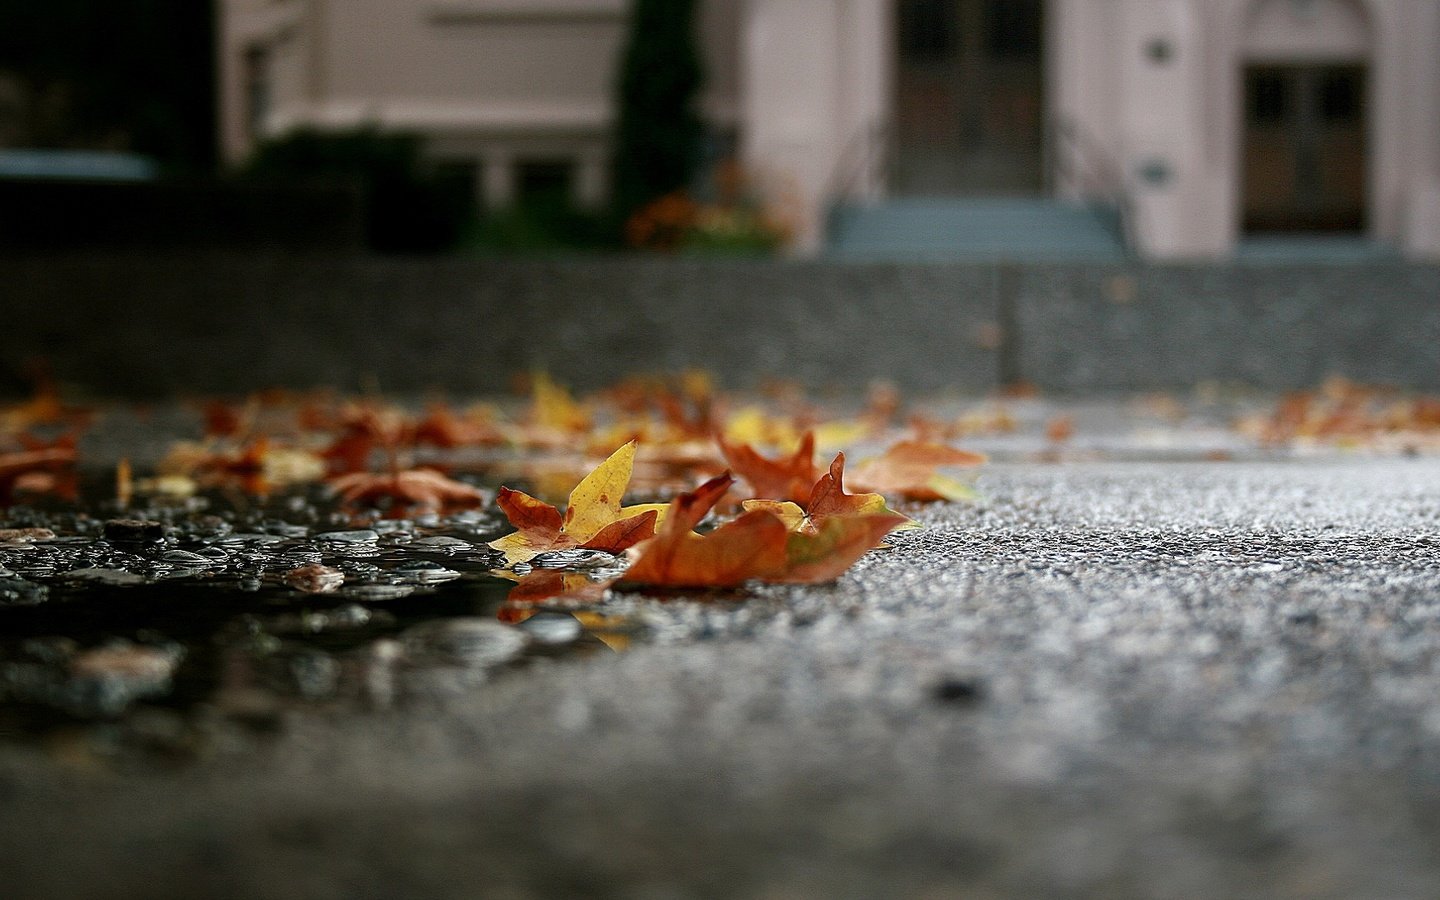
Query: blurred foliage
x=408, y=206
x=659, y=136
x=540, y=222
x=733, y=220
x=102, y=75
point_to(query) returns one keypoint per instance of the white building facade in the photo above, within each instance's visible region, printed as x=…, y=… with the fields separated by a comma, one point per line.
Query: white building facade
x=1203, y=120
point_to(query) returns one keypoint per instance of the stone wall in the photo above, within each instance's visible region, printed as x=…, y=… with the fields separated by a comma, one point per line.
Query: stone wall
x=153, y=326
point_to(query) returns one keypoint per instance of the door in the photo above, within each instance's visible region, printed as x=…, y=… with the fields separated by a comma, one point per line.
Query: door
x=1304, y=151
x=968, y=106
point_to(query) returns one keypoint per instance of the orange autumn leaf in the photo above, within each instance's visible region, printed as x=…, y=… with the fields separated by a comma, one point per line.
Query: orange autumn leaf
x=834, y=546
x=40, y=468
x=445, y=428
x=909, y=469
x=828, y=499
x=786, y=478
x=734, y=553
x=425, y=488
x=593, y=518
x=756, y=546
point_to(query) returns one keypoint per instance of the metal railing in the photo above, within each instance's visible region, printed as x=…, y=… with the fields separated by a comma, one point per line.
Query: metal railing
x=861, y=169
x=1074, y=161
x=1077, y=162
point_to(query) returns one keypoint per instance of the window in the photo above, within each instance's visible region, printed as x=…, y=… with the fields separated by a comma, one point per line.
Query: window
x=1012, y=27
x=1341, y=95
x=927, y=30
x=1268, y=100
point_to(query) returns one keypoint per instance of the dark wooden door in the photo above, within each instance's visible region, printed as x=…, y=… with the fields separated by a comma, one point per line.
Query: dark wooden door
x=968, y=106
x=1305, y=148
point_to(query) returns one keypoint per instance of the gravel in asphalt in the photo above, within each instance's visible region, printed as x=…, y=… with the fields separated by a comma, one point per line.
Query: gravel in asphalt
x=1107, y=679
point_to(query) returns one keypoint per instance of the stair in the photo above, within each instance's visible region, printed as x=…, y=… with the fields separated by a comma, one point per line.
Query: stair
x=974, y=229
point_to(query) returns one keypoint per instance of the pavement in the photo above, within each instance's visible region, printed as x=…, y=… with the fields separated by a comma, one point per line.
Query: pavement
x=1171, y=679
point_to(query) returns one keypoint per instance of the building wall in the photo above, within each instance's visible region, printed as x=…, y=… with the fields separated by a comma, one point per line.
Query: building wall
x=495, y=83
x=1149, y=93
x=1187, y=113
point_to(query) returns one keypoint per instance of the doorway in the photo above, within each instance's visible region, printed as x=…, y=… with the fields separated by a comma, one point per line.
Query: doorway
x=969, y=106
x=1305, y=148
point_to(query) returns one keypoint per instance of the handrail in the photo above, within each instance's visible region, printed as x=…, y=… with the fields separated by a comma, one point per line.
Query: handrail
x=1073, y=158
x=862, y=161
x=1076, y=160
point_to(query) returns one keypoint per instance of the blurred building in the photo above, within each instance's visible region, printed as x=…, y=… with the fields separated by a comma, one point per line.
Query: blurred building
x=1193, y=122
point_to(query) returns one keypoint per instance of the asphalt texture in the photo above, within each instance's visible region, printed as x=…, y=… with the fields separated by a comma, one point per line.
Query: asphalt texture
x=1107, y=679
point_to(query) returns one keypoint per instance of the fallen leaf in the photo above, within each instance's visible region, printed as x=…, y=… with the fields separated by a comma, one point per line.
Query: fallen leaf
x=909, y=469
x=593, y=518
x=756, y=546
x=828, y=499
x=40, y=468
x=445, y=428
x=834, y=546
x=751, y=546
x=786, y=478
x=425, y=488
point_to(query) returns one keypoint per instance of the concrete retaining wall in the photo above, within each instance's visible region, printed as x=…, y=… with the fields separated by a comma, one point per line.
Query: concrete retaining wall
x=136, y=327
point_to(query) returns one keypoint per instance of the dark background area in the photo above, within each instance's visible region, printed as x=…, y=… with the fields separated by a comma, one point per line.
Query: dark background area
x=134, y=76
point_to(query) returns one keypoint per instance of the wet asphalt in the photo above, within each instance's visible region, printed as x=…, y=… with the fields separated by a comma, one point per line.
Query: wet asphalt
x=1106, y=679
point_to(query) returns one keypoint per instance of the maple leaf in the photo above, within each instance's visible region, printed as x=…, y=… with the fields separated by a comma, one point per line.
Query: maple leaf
x=786, y=478
x=555, y=417
x=443, y=427
x=750, y=546
x=363, y=429
x=758, y=545
x=908, y=469
x=593, y=518
x=425, y=488
x=828, y=499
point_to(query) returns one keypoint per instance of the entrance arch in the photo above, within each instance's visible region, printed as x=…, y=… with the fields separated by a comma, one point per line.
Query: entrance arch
x=1306, y=116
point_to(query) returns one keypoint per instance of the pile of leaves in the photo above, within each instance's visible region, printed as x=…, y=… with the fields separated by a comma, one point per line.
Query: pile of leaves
x=1342, y=413
x=736, y=492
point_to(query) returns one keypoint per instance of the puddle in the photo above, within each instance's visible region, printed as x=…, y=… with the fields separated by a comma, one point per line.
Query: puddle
x=176, y=631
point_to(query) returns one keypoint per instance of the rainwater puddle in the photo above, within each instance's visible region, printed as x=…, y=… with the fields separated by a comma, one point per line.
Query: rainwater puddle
x=174, y=632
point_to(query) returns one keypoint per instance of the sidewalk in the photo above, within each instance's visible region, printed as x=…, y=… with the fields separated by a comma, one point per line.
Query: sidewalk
x=1109, y=679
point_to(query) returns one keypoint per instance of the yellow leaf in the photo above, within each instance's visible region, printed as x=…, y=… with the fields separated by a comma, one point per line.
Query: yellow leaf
x=595, y=501
x=792, y=514
x=594, y=517
x=553, y=407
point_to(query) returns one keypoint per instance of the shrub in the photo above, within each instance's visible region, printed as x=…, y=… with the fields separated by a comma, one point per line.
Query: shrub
x=407, y=207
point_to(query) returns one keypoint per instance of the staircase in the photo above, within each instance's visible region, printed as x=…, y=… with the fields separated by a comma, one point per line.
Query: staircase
x=1020, y=229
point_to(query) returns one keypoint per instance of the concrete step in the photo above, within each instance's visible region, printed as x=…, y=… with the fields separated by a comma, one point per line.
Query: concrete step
x=1021, y=229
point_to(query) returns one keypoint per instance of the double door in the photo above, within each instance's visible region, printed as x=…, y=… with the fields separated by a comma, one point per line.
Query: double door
x=1305, y=148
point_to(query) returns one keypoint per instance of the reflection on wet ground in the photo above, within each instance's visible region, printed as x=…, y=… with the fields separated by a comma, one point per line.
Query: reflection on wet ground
x=172, y=631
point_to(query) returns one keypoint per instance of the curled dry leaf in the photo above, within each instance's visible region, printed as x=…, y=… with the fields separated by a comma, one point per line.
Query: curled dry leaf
x=756, y=546
x=424, y=488
x=445, y=428
x=786, y=478
x=593, y=518
x=746, y=548
x=909, y=469
x=828, y=499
